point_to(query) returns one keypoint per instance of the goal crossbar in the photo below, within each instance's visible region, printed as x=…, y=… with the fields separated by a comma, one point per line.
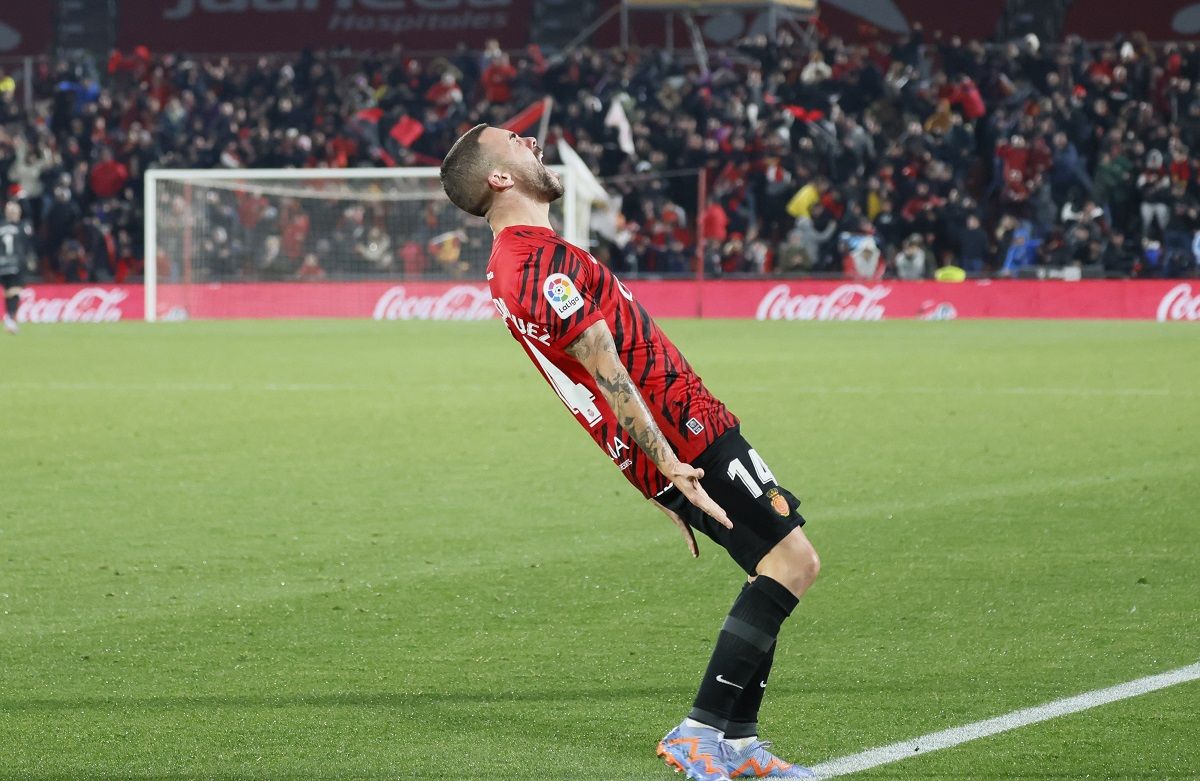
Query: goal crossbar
x=574, y=221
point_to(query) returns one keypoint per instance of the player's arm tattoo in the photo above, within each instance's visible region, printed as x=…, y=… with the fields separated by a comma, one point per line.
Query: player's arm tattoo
x=595, y=349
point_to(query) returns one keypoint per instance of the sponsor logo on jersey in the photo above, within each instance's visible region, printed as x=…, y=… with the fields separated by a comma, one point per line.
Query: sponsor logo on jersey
x=778, y=502
x=695, y=426
x=560, y=291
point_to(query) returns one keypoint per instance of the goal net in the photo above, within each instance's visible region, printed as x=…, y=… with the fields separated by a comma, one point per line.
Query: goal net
x=311, y=242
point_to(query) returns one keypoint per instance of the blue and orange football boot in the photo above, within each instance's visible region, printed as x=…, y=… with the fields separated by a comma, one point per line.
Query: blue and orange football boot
x=697, y=752
x=755, y=761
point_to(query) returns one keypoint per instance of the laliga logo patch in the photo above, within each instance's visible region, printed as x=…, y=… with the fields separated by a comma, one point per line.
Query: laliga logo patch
x=561, y=293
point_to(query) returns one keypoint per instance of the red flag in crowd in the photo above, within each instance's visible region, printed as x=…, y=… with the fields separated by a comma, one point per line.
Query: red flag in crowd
x=407, y=131
x=529, y=117
x=371, y=115
x=804, y=115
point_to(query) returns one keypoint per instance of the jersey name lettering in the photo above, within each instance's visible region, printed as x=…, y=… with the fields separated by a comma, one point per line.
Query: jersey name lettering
x=532, y=330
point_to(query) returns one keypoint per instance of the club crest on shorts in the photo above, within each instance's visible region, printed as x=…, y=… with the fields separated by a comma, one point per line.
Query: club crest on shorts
x=778, y=502
x=560, y=291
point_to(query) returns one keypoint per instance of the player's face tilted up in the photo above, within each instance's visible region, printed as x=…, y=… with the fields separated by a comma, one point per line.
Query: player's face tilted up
x=671, y=438
x=489, y=171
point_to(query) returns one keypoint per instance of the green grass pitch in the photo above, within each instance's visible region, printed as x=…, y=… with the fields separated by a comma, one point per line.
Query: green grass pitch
x=358, y=550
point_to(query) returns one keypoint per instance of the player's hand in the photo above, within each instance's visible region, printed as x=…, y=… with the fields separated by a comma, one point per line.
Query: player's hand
x=686, y=478
x=684, y=529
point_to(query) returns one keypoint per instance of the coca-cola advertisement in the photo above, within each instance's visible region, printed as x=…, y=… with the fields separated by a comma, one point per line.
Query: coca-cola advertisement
x=809, y=300
x=80, y=304
x=238, y=25
x=460, y=302
x=1180, y=303
x=847, y=302
x=376, y=300
x=796, y=300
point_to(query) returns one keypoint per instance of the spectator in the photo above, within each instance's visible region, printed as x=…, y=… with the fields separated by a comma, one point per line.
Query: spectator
x=792, y=255
x=1066, y=169
x=812, y=233
x=1117, y=258
x=816, y=71
x=1114, y=185
x=98, y=249
x=758, y=256
x=62, y=219
x=30, y=163
x=948, y=272
x=910, y=261
x=973, y=246
x=310, y=269
x=271, y=259
x=733, y=254
x=675, y=259
x=71, y=262
x=108, y=176
x=445, y=96
x=1154, y=187
x=913, y=136
x=863, y=260
x=1023, y=250
x=497, y=81
x=807, y=196
x=375, y=250
x=715, y=222
x=889, y=227
x=413, y=259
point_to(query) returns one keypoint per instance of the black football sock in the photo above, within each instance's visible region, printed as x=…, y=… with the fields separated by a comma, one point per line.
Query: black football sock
x=743, y=721
x=746, y=638
x=10, y=305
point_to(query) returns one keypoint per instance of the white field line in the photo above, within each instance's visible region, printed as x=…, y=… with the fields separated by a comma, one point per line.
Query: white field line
x=855, y=763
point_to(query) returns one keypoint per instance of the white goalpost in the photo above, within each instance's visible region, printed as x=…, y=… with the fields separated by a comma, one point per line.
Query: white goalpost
x=234, y=234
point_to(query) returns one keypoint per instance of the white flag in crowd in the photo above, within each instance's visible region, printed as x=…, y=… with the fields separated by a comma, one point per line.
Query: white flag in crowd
x=616, y=118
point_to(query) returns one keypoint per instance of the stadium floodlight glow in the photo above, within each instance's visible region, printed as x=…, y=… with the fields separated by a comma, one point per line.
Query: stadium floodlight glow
x=222, y=227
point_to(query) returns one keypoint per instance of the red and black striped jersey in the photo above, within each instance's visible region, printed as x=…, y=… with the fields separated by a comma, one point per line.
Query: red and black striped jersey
x=548, y=291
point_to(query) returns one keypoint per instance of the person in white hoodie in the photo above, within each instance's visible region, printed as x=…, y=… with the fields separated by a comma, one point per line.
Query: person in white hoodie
x=26, y=170
x=910, y=260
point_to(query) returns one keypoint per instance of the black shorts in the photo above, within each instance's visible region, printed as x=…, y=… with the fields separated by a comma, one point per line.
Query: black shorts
x=10, y=281
x=737, y=479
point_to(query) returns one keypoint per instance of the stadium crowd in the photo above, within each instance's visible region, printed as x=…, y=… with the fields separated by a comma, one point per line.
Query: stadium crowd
x=911, y=157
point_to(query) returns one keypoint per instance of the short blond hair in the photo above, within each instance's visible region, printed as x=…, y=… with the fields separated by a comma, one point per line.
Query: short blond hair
x=465, y=171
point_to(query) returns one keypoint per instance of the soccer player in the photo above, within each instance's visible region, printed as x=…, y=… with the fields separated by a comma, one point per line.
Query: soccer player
x=639, y=399
x=16, y=244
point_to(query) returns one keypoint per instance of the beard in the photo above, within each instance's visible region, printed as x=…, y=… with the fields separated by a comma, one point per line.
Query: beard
x=541, y=184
